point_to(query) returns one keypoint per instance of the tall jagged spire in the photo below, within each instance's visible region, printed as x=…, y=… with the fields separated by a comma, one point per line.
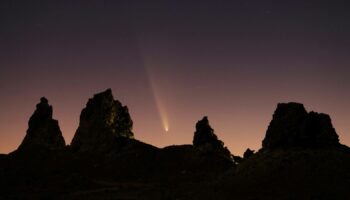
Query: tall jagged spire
x=43, y=130
x=206, y=140
x=102, y=121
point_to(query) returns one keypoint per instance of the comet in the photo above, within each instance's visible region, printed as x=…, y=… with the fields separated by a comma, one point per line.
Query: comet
x=159, y=103
x=163, y=115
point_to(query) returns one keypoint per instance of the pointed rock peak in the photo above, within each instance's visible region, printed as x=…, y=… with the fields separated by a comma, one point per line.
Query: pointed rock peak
x=43, y=100
x=102, y=121
x=293, y=126
x=206, y=140
x=43, y=130
x=42, y=113
x=204, y=128
x=248, y=153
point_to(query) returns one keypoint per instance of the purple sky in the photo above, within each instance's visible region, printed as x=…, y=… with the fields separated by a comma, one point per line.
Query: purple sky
x=175, y=61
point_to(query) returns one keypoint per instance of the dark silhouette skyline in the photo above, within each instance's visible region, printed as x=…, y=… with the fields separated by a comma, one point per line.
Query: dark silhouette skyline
x=300, y=153
x=174, y=62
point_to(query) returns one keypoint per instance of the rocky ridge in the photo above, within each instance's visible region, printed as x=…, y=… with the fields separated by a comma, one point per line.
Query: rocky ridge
x=301, y=158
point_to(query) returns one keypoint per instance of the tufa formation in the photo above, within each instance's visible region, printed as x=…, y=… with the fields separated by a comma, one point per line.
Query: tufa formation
x=205, y=140
x=102, y=122
x=292, y=126
x=248, y=153
x=43, y=131
x=119, y=166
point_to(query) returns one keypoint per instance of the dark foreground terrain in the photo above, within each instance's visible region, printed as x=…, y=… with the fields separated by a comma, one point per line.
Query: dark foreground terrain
x=300, y=158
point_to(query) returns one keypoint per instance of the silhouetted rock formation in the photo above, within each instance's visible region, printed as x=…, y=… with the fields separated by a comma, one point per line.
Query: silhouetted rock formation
x=292, y=126
x=43, y=131
x=248, y=153
x=102, y=122
x=284, y=169
x=205, y=140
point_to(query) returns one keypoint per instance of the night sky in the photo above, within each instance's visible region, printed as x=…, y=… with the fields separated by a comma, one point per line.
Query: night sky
x=173, y=62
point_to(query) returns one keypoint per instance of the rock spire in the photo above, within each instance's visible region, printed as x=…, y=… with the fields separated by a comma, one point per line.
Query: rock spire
x=43, y=130
x=102, y=122
x=293, y=126
x=206, y=140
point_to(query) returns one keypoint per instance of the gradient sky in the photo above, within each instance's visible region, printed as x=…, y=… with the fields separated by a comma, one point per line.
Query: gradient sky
x=172, y=62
